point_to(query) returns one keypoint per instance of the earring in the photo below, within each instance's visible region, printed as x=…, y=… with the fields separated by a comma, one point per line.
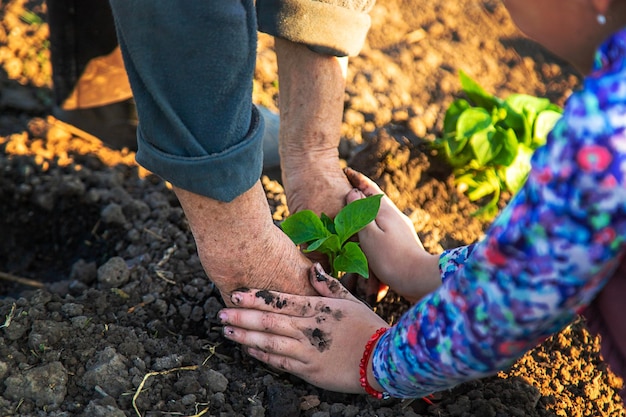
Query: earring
x=601, y=19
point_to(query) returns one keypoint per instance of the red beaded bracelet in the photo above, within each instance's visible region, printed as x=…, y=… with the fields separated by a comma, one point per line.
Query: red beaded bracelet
x=363, y=366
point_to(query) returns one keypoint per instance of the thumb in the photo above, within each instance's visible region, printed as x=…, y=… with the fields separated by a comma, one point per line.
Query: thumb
x=353, y=195
x=362, y=182
x=326, y=285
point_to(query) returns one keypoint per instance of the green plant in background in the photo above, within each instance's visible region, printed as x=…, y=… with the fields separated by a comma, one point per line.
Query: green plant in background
x=489, y=141
x=32, y=18
x=331, y=237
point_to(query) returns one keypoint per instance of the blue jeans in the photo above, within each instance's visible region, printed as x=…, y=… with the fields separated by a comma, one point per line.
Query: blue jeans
x=191, y=66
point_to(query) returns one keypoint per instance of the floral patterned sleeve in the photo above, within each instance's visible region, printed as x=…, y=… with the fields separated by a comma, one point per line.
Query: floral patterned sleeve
x=545, y=257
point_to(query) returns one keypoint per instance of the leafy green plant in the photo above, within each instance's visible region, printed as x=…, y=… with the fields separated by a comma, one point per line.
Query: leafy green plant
x=32, y=18
x=331, y=237
x=489, y=141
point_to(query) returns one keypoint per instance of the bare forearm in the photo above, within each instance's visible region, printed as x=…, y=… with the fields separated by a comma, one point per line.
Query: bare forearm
x=311, y=110
x=312, y=86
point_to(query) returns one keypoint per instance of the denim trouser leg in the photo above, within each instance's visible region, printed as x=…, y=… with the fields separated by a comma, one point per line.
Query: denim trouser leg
x=191, y=65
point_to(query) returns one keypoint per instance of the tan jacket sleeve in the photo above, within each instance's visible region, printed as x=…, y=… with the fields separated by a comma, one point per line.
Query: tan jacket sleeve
x=333, y=27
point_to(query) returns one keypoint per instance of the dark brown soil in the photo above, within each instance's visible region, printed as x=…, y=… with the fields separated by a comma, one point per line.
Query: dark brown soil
x=105, y=308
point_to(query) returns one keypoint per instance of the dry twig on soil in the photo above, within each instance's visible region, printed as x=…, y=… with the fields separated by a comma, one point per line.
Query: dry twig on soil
x=169, y=371
x=21, y=280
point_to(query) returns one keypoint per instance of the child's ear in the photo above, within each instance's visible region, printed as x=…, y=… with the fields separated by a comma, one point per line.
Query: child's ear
x=601, y=6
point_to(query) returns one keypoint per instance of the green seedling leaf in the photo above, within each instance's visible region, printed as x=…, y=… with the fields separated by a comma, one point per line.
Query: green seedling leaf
x=473, y=121
x=515, y=175
x=352, y=259
x=498, y=114
x=453, y=113
x=477, y=94
x=514, y=119
x=304, y=226
x=489, y=141
x=456, y=145
x=484, y=148
x=529, y=107
x=484, y=187
x=31, y=18
x=462, y=159
x=327, y=245
x=330, y=237
x=328, y=223
x=356, y=215
x=489, y=210
x=508, y=152
x=467, y=179
x=524, y=102
x=481, y=184
x=544, y=123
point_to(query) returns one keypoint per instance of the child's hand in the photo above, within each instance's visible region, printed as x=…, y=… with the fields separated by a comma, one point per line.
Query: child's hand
x=319, y=339
x=394, y=252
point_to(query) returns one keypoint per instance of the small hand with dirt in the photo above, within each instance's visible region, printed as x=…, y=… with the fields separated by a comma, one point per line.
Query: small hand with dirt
x=394, y=252
x=319, y=339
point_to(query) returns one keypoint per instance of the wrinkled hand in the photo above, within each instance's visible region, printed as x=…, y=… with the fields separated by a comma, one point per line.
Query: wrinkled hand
x=319, y=339
x=394, y=251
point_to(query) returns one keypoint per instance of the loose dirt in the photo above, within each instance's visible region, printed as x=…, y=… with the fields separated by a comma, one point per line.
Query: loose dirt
x=104, y=307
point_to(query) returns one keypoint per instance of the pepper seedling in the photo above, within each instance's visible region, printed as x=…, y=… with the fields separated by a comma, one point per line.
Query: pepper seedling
x=490, y=141
x=332, y=237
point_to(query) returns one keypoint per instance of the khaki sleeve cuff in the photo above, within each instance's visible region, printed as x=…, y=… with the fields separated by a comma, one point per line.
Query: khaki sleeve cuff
x=323, y=27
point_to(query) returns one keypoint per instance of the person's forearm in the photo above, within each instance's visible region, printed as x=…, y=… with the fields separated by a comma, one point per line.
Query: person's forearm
x=426, y=279
x=312, y=86
x=474, y=325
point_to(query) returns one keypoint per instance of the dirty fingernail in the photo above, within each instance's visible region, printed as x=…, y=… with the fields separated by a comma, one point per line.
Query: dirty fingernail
x=228, y=331
x=319, y=272
x=223, y=316
x=235, y=298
